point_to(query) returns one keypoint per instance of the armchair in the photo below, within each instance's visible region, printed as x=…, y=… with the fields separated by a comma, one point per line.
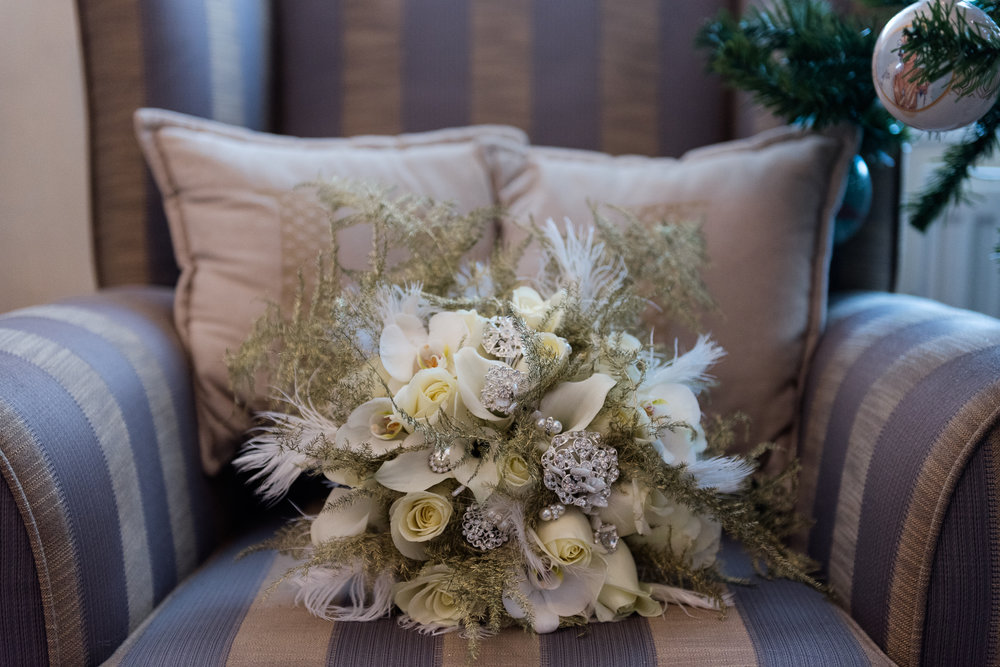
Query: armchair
x=116, y=546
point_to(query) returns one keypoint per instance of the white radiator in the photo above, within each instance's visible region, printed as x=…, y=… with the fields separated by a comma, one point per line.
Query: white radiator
x=953, y=261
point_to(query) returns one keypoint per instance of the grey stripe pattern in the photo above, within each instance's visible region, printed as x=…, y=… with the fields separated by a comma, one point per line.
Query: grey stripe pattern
x=165, y=420
x=102, y=412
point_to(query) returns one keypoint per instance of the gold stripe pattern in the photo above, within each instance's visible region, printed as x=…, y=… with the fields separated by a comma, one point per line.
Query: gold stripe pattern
x=878, y=405
x=165, y=420
x=861, y=339
x=115, y=88
x=372, y=56
x=929, y=502
x=304, y=638
x=500, y=65
x=629, y=71
x=37, y=498
x=699, y=637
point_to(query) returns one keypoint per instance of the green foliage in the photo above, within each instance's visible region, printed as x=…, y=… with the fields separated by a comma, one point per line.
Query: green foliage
x=943, y=46
x=808, y=64
x=805, y=63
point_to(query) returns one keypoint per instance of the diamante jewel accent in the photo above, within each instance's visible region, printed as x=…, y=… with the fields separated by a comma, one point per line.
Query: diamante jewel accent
x=440, y=460
x=499, y=394
x=607, y=537
x=580, y=470
x=484, y=529
x=501, y=338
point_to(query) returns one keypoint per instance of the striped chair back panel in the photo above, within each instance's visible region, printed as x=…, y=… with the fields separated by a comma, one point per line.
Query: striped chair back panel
x=209, y=58
x=621, y=77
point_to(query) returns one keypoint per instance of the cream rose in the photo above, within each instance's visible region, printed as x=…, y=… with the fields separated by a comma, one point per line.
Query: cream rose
x=427, y=598
x=568, y=540
x=622, y=594
x=515, y=471
x=418, y=517
x=429, y=391
x=533, y=309
x=626, y=508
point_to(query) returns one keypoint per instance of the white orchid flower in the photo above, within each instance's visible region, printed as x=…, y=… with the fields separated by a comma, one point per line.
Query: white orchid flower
x=372, y=424
x=406, y=347
x=410, y=471
x=561, y=592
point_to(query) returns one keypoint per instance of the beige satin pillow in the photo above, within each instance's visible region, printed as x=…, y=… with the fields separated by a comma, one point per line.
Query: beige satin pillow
x=240, y=235
x=767, y=205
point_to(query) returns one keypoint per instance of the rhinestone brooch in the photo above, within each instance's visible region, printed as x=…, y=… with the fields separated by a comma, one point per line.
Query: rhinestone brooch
x=499, y=393
x=579, y=469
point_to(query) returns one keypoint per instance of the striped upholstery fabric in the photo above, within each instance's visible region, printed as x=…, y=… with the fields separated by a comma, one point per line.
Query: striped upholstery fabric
x=209, y=58
x=228, y=614
x=901, y=473
x=616, y=76
x=621, y=77
x=103, y=508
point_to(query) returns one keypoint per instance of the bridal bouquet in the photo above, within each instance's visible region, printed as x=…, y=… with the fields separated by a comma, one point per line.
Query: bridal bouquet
x=502, y=451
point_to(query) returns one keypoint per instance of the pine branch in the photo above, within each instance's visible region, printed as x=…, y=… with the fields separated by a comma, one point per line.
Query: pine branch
x=947, y=45
x=947, y=186
x=804, y=63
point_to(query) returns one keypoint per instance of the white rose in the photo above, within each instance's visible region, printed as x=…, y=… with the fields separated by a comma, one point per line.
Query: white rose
x=675, y=527
x=533, y=309
x=418, y=517
x=568, y=540
x=622, y=594
x=430, y=390
x=428, y=599
x=515, y=470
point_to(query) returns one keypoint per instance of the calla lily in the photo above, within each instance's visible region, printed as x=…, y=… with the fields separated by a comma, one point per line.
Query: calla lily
x=410, y=472
x=345, y=520
x=575, y=404
x=626, y=508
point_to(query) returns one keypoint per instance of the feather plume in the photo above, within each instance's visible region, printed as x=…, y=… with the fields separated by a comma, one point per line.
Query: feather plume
x=395, y=300
x=686, y=598
x=342, y=594
x=725, y=474
x=690, y=368
x=278, y=459
x=581, y=261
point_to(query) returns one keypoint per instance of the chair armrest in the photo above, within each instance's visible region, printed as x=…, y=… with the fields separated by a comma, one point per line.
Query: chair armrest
x=901, y=472
x=104, y=507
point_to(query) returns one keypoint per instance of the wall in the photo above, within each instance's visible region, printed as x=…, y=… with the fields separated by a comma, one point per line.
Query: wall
x=45, y=246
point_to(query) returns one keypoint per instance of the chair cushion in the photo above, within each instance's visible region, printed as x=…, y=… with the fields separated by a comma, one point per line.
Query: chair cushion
x=227, y=613
x=765, y=205
x=241, y=235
